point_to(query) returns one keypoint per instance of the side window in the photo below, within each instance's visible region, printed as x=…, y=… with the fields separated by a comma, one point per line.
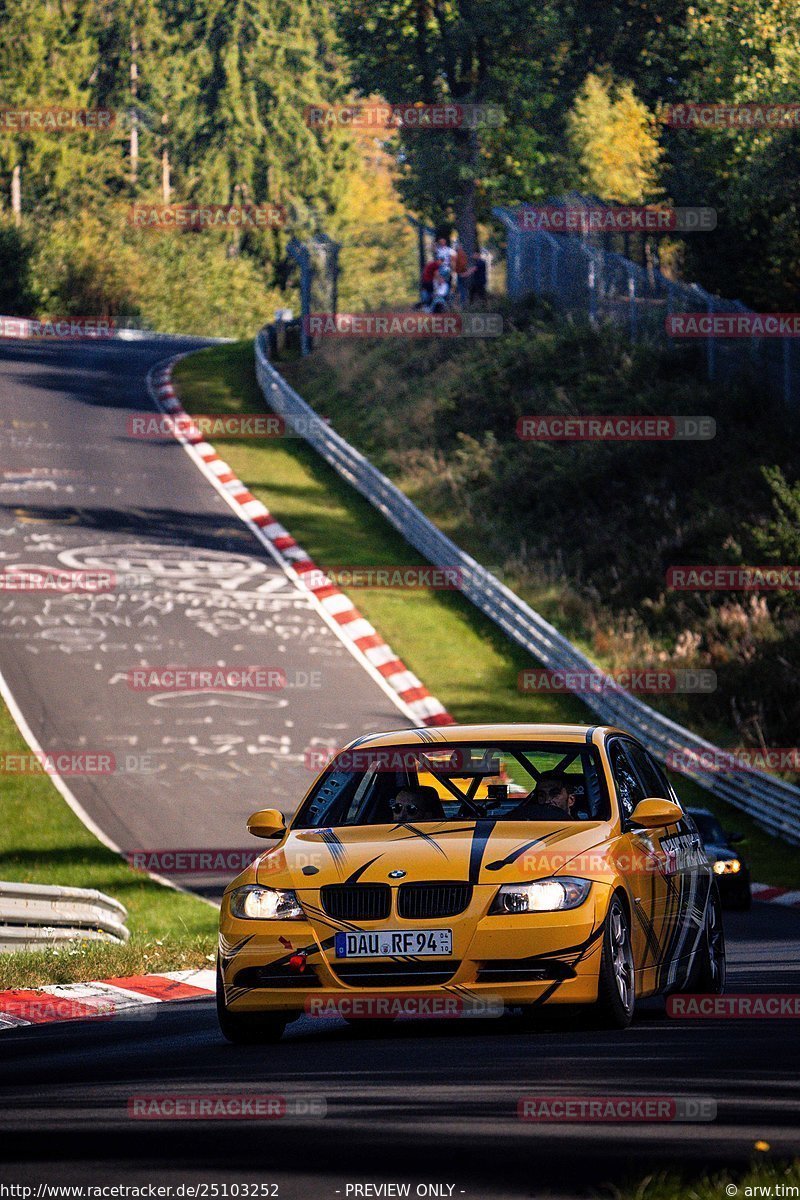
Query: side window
x=629, y=790
x=652, y=779
x=668, y=791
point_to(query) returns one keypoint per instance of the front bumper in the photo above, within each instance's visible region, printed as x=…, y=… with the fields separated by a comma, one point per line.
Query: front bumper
x=508, y=959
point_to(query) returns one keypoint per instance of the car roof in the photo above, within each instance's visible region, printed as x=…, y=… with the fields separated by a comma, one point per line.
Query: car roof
x=454, y=734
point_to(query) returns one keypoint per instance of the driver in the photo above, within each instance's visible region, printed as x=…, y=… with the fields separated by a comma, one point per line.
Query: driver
x=553, y=800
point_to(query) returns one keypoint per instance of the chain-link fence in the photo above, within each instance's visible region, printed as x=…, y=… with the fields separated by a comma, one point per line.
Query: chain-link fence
x=580, y=275
x=318, y=260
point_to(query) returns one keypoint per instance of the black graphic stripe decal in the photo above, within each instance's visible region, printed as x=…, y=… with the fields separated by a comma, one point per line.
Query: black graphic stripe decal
x=480, y=838
x=359, y=871
x=338, y=853
x=499, y=863
x=419, y=833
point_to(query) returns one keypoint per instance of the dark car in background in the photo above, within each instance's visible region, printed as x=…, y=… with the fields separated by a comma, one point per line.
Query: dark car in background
x=730, y=869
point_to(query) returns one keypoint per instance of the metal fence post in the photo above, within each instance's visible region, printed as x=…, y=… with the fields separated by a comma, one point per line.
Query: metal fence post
x=300, y=254
x=592, y=292
x=422, y=229
x=632, y=306
x=711, y=348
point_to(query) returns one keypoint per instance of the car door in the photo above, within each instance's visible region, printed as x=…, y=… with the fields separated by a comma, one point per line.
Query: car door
x=679, y=854
x=640, y=859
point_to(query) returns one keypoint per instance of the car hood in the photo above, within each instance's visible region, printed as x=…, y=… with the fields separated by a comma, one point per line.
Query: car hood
x=478, y=851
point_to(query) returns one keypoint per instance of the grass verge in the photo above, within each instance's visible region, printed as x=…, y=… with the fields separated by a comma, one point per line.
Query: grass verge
x=42, y=841
x=765, y=1177
x=458, y=653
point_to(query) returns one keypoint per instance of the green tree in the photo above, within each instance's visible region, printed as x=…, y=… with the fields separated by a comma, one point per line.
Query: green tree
x=47, y=59
x=739, y=53
x=615, y=140
x=468, y=52
x=257, y=67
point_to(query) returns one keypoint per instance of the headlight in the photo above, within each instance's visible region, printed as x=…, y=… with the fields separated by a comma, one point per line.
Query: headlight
x=265, y=904
x=726, y=866
x=546, y=895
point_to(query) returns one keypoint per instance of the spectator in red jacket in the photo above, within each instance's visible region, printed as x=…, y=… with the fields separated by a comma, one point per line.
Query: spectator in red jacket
x=427, y=281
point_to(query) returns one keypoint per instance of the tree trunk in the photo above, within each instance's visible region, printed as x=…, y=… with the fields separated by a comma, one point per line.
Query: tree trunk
x=466, y=211
x=16, y=194
x=166, y=188
x=134, y=140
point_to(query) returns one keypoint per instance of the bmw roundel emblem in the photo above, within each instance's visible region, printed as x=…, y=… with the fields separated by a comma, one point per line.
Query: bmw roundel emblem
x=397, y=874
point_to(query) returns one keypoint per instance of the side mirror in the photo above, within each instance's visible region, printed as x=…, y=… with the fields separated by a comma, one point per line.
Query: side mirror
x=266, y=823
x=654, y=813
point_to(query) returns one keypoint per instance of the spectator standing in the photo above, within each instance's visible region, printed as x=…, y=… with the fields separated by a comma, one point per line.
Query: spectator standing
x=460, y=268
x=477, y=277
x=426, y=283
x=445, y=252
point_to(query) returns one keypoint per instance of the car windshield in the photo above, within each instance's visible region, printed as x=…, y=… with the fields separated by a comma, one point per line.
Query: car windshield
x=503, y=781
x=709, y=829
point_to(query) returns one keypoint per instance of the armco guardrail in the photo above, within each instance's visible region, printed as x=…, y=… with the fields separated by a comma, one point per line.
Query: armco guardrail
x=775, y=805
x=34, y=915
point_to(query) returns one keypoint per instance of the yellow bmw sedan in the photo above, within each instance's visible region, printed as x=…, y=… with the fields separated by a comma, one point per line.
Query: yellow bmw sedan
x=469, y=870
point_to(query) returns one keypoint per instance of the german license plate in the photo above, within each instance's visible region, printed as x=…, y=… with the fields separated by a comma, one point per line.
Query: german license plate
x=388, y=942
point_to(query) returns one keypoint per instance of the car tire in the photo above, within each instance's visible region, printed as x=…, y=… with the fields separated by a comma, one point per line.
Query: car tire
x=247, y=1029
x=616, y=985
x=708, y=973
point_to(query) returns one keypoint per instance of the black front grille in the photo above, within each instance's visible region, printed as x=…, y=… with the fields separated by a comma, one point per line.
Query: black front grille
x=426, y=901
x=357, y=901
x=523, y=970
x=274, y=975
x=394, y=974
